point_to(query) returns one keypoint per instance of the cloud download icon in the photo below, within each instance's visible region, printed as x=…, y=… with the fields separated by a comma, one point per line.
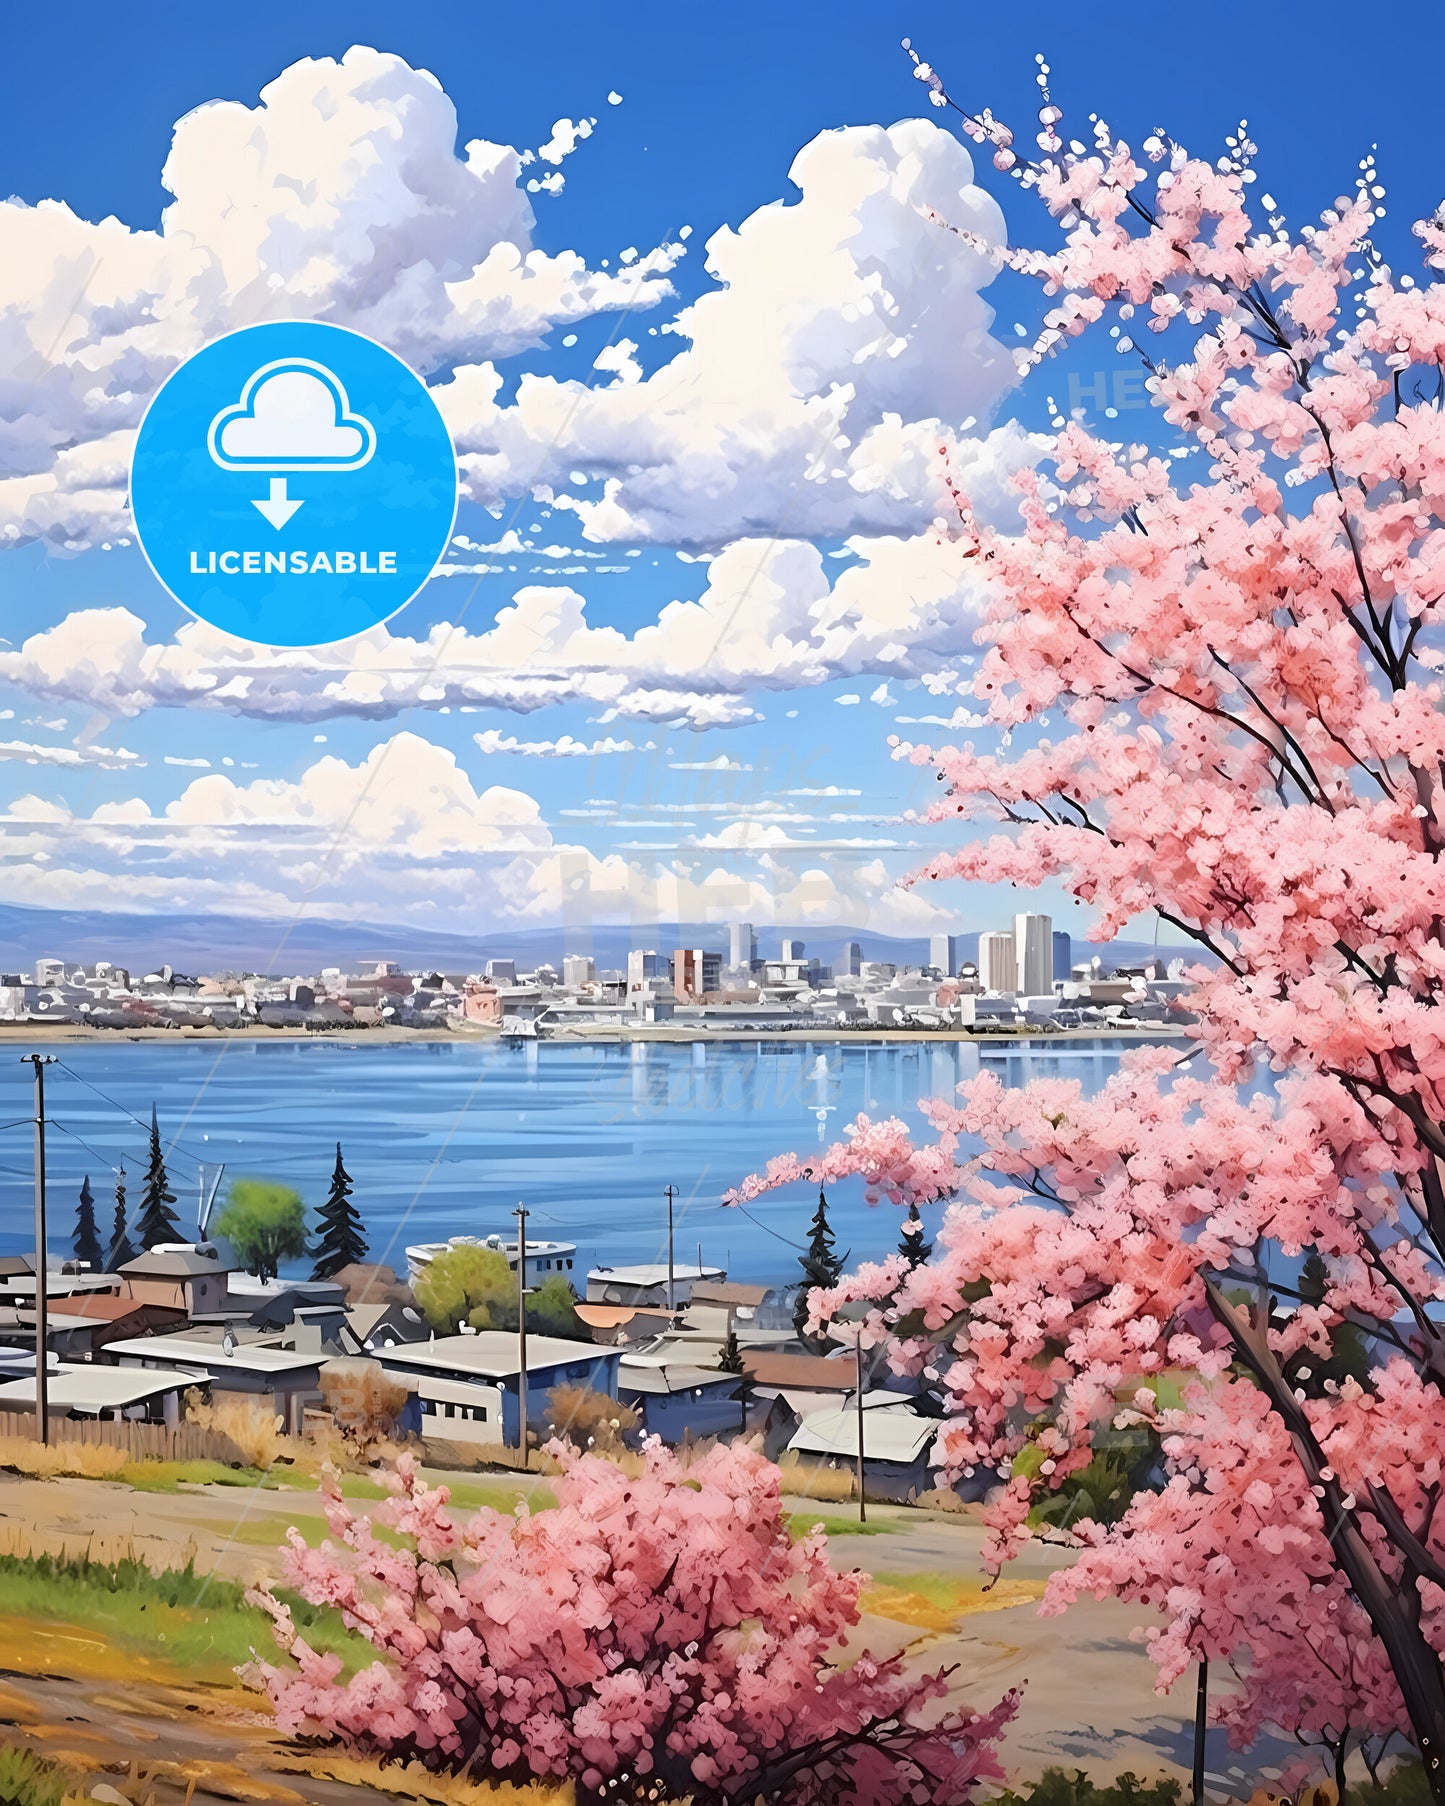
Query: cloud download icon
x=293, y=415
x=291, y=400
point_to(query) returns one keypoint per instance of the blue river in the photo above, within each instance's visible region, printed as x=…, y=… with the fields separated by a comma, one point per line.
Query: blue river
x=445, y=1138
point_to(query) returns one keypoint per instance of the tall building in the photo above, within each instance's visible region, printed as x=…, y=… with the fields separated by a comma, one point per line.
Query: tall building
x=943, y=954
x=641, y=965
x=578, y=969
x=1034, y=952
x=850, y=960
x=998, y=967
x=791, y=950
x=742, y=945
x=1063, y=955
x=695, y=971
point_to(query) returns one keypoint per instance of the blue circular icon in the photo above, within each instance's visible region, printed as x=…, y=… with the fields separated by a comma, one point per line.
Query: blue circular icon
x=293, y=484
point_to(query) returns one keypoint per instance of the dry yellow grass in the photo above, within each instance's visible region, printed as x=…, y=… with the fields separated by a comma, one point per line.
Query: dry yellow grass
x=811, y=1479
x=45, y=1461
x=410, y=1781
x=25, y=1542
x=255, y=1431
x=936, y=1602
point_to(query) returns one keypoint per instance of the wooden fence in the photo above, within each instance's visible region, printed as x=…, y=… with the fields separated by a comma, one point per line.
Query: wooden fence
x=140, y=1441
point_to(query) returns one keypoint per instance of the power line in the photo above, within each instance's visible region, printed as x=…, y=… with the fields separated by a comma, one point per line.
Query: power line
x=187, y=1153
x=786, y=1241
x=107, y=1161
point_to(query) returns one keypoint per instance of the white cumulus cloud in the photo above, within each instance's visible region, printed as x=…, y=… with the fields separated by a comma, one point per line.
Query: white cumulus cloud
x=342, y=196
x=768, y=619
x=405, y=835
x=493, y=740
x=846, y=339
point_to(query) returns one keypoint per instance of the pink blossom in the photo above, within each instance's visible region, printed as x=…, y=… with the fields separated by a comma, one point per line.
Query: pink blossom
x=663, y=1630
x=1245, y=646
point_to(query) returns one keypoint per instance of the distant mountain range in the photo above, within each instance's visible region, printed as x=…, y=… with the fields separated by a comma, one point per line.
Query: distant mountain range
x=218, y=943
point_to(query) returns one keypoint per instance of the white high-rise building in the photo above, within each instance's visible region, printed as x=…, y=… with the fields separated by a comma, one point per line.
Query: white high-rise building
x=998, y=968
x=643, y=965
x=742, y=945
x=943, y=954
x=1034, y=953
x=578, y=969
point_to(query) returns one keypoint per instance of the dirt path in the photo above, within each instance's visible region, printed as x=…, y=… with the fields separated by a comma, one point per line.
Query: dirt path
x=174, y=1734
x=1088, y=1685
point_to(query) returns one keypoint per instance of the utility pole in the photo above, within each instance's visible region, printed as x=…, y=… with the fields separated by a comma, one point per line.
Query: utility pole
x=42, y=1302
x=670, y=1193
x=521, y=1213
x=1201, y=1708
x=862, y=1501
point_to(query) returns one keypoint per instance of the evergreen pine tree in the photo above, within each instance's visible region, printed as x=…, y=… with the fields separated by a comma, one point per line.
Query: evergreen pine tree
x=730, y=1360
x=120, y=1244
x=157, y=1222
x=821, y=1266
x=341, y=1242
x=911, y=1244
x=87, y=1239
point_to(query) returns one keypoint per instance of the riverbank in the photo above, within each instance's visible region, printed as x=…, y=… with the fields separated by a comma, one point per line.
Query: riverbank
x=595, y=1035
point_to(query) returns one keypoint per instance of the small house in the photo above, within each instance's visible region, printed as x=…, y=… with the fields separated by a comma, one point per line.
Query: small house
x=193, y=1277
x=285, y=1380
x=897, y=1444
x=90, y=1389
x=386, y=1324
x=649, y=1283
x=679, y=1402
x=475, y=1380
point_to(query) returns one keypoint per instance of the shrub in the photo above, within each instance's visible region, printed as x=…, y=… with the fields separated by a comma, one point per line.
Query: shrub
x=29, y=1780
x=810, y=1478
x=365, y=1402
x=46, y=1461
x=1056, y=1788
x=658, y=1638
x=468, y=1284
x=588, y=1419
x=252, y=1426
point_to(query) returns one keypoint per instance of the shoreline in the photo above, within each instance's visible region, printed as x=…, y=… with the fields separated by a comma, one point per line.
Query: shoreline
x=76, y=1034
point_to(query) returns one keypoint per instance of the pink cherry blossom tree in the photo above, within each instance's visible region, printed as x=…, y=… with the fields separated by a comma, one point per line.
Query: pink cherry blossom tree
x=1241, y=634
x=651, y=1639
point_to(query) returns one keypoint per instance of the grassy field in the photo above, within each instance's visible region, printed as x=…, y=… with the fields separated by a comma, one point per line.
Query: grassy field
x=801, y=1522
x=198, y=1622
x=936, y=1601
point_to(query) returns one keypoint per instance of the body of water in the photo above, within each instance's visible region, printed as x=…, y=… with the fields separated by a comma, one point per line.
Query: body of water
x=445, y=1138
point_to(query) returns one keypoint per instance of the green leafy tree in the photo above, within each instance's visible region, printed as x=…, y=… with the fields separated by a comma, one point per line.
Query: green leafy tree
x=911, y=1244
x=87, y=1237
x=821, y=1264
x=341, y=1242
x=157, y=1222
x=468, y=1284
x=265, y=1224
x=551, y=1309
x=121, y=1247
x=730, y=1360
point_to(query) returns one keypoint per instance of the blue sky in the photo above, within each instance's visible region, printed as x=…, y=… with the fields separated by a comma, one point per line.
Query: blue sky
x=713, y=109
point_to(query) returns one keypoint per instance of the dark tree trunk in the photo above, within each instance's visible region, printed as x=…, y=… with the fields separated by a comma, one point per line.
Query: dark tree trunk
x=1416, y=1666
